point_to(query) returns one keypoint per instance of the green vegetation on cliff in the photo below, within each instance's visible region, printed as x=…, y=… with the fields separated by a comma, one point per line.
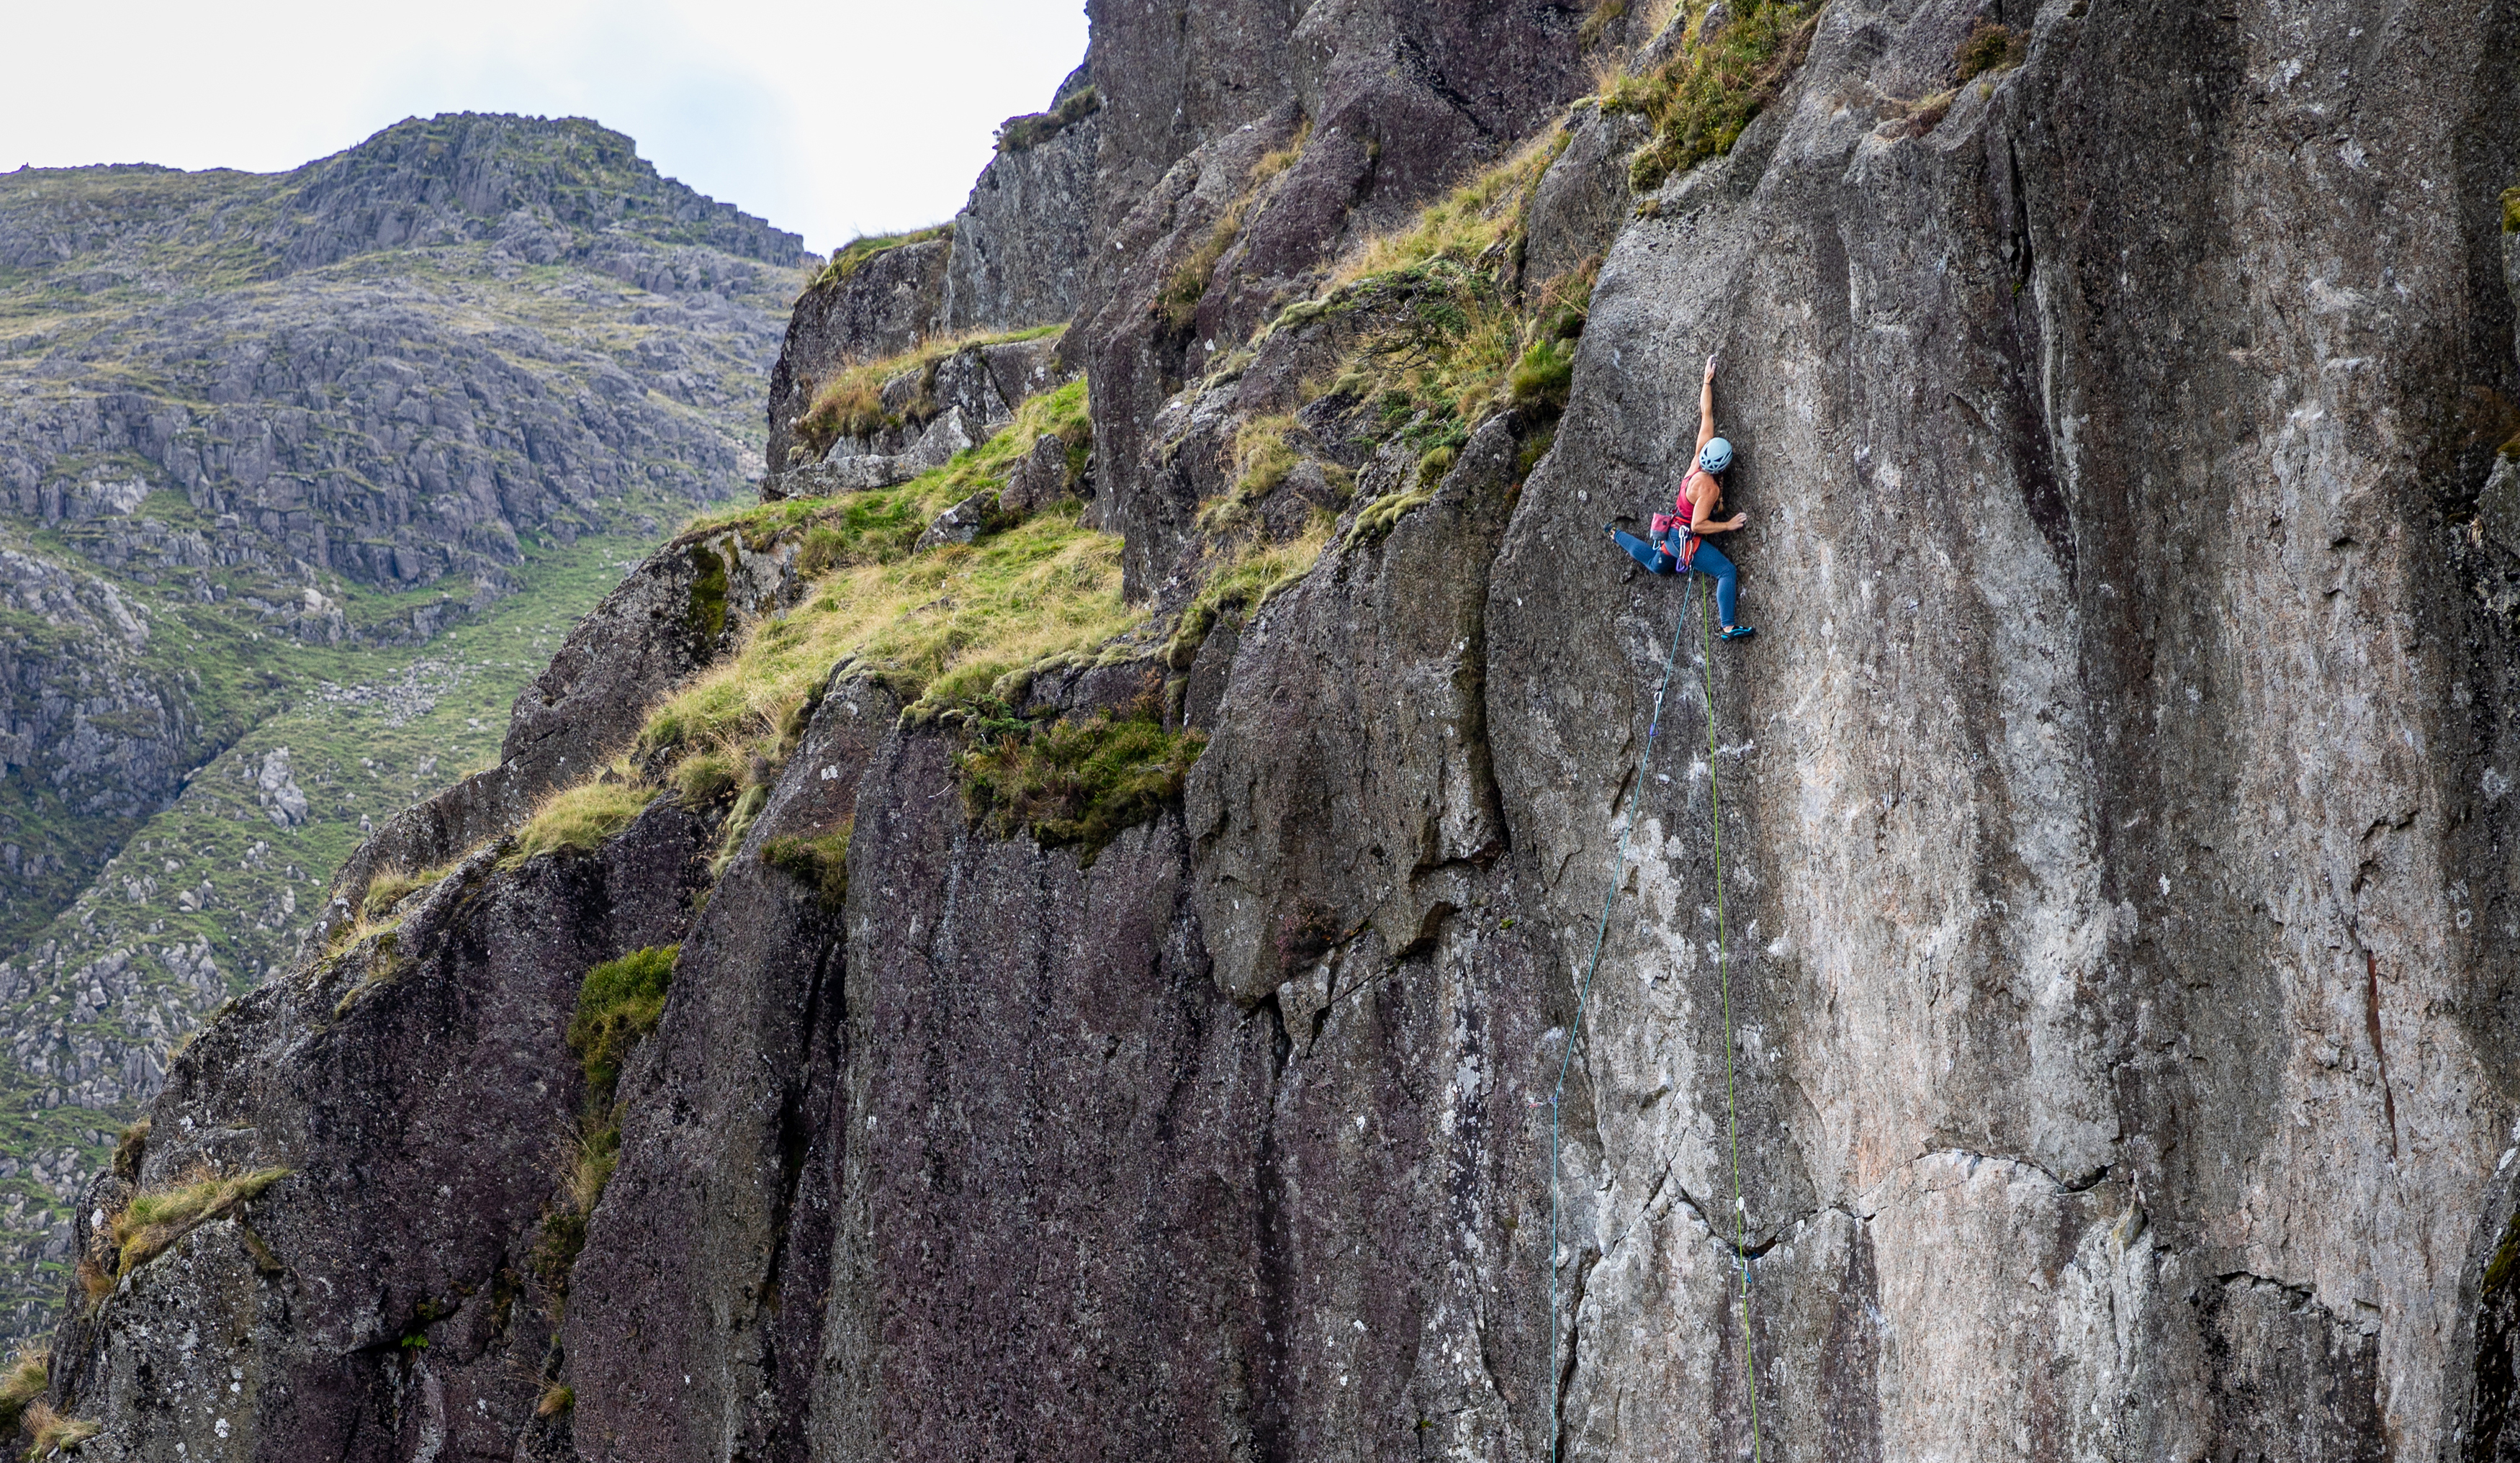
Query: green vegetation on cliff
x=1700, y=101
x=1078, y=781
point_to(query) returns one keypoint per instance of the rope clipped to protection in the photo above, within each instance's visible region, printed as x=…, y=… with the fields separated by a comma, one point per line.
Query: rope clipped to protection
x=1584, y=997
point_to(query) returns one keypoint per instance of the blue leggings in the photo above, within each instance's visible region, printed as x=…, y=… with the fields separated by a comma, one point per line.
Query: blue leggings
x=1662, y=557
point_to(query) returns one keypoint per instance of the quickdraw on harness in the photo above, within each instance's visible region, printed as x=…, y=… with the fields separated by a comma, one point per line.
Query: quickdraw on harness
x=1722, y=965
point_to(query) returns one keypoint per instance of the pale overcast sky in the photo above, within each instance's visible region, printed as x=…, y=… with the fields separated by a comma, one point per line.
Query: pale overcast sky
x=829, y=120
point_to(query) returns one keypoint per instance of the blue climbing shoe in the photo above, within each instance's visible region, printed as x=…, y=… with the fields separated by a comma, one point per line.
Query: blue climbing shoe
x=1738, y=633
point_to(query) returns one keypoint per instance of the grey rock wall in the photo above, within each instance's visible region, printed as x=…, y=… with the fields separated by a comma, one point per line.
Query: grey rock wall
x=1022, y=242
x=2107, y=831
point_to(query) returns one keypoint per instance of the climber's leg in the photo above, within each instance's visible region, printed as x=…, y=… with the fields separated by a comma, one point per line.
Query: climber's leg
x=1655, y=560
x=1710, y=561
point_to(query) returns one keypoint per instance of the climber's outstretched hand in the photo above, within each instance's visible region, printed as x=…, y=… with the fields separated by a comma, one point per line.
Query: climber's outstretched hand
x=1710, y=368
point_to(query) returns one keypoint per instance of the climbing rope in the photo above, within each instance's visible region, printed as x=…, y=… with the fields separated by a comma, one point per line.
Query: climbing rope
x=1724, y=968
x=1584, y=995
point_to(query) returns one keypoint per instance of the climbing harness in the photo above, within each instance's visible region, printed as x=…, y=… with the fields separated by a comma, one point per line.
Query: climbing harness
x=1584, y=995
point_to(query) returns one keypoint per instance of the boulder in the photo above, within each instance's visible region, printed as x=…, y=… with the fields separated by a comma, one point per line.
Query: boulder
x=1038, y=480
x=962, y=524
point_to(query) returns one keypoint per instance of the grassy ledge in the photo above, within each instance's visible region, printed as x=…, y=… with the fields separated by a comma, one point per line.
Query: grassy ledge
x=1243, y=580
x=941, y=629
x=156, y=1219
x=619, y=1004
x=580, y=818
x=1989, y=47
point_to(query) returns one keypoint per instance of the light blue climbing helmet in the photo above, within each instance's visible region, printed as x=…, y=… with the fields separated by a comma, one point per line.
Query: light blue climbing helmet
x=1717, y=456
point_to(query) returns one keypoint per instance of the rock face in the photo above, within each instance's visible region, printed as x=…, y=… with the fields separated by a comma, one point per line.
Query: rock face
x=1019, y=249
x=2107, y=824
x=2046, y=995
x=1400, y=100
x=452, y=1156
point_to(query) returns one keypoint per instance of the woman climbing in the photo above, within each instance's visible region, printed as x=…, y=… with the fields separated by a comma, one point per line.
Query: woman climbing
x=1679, y=539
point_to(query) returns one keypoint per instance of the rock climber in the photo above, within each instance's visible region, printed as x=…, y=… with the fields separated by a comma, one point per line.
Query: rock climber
x=1679, y=539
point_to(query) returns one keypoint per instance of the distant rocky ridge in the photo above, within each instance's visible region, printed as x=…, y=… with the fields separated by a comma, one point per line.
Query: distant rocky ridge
x=264, y=440
x=396, y=368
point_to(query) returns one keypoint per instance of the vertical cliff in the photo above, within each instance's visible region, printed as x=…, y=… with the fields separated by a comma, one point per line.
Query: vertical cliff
x=2050, y=1000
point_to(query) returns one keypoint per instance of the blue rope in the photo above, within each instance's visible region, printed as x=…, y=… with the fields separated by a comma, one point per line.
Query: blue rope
x=1584, y=994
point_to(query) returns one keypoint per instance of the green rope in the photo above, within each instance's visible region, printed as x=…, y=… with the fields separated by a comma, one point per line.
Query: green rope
x=1584, y=994
x=1724, y=966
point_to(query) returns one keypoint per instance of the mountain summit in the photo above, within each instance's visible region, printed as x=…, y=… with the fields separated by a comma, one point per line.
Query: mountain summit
x=265, y=439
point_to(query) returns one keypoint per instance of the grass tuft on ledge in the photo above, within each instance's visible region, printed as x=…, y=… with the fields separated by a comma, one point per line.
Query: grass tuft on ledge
x=619, y=1004
x=582, y=817
x=855, y=255
x=1989, y=47
x=28, y=1374
x=52, y=1433
x=819, y=863
x=1020, y=134
x=156, y=1219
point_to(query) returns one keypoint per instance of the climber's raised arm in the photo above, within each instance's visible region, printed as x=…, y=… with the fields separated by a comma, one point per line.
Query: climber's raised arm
x=1705, y=410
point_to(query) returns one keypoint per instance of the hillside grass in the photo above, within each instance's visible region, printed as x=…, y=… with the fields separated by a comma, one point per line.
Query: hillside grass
x=940, y=628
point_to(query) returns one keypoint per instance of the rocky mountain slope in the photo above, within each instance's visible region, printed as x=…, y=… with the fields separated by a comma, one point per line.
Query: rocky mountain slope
x=1078, y=955
x=267, y=443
